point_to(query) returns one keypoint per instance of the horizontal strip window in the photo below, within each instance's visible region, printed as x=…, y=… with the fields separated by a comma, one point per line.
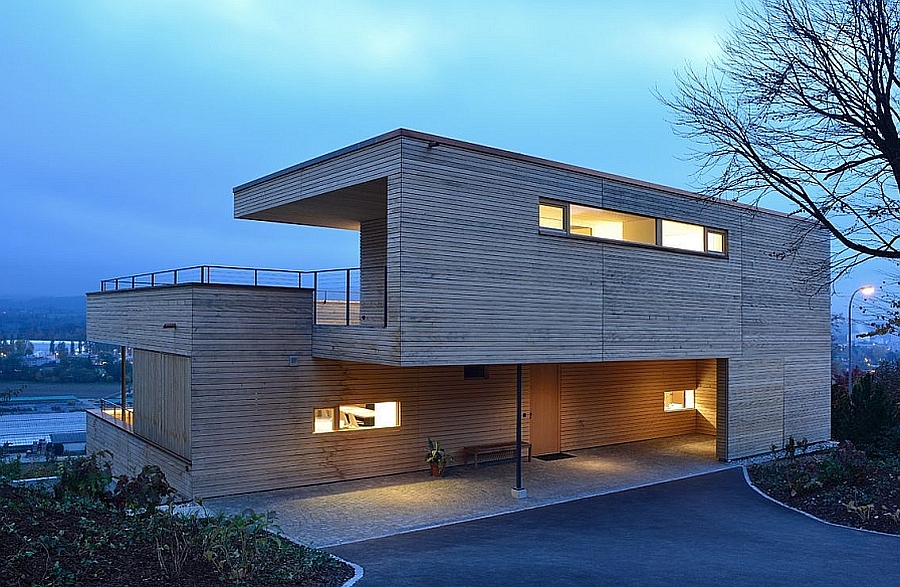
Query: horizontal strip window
x=604, y=224
x=357, y=417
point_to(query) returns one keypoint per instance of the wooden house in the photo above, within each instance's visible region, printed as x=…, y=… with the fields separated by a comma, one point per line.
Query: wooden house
x=635, y=311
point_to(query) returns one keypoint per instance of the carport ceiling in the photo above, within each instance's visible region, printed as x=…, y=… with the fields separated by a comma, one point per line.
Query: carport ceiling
x=343, y=208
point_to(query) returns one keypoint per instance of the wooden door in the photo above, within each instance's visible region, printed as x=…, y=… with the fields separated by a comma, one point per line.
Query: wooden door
x=544, y=409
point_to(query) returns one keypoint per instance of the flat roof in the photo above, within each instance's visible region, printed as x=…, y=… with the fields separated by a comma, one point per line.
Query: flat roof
x=439, y=140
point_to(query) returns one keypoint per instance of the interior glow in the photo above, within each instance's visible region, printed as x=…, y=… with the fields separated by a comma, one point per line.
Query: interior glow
x=552, y=217
x=678, y=400
x=599, y=223
x=680, y=235
x=715, y=242
x=357, y=417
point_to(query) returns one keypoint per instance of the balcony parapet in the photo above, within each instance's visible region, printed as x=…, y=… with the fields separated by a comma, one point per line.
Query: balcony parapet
x=354, y=296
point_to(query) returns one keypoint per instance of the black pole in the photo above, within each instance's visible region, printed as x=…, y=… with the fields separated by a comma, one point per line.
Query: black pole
x=518, y=487
x=124, y=388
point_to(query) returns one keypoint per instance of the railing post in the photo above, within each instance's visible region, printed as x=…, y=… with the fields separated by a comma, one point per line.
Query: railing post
x=385, y=297
x=175, y=277
x=347, y=309
x=255, y=277
x=124, y=372
x=132, y=281
x=117, y=284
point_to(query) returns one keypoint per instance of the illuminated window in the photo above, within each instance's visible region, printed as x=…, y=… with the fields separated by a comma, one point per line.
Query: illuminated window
x=715, y=241
x=631, y=228
x=357, y=417
x=619, y=226
x=680, y=235
x=678, y=400
x=552, y=216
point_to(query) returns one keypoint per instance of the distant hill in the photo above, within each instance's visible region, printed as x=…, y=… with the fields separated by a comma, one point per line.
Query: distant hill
x=42, y=318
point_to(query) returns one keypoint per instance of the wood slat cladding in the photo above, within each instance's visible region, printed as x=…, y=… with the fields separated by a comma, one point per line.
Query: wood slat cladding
x=130, y=453
x=248, y=440
x=705, y=396
x=290, y=197
x=135, y=318
x=162, y=400
x=609, y=403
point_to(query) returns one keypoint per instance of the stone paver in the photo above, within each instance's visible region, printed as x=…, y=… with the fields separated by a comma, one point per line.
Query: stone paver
x=341, y=513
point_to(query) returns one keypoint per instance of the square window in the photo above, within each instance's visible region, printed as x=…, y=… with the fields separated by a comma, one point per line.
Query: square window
x=552, y=216
x=324, y=418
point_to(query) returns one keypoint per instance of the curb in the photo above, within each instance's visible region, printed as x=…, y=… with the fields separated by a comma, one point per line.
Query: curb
x=807, y=514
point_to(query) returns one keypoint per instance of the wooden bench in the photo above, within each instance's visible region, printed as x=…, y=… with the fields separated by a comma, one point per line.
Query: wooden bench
x=495, y=449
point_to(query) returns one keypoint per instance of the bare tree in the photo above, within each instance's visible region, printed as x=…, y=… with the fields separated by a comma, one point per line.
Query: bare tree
x=802, y=104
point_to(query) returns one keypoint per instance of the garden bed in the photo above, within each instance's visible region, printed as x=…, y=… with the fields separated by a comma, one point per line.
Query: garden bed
x=82, y=534
x=841, y=486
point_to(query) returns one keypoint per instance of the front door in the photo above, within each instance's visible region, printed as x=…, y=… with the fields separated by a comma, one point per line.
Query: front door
x=545, y=409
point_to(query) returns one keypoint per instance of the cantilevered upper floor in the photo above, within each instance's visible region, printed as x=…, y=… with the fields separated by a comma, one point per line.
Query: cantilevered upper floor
x=489, y=256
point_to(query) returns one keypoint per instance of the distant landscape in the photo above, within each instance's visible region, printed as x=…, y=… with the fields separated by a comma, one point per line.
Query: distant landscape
x=43, y=318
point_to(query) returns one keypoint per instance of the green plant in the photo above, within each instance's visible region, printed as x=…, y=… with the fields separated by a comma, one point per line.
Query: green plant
x=234, y=543
x=436, y=456
x=142, y=493
x=87, y=476
x=11, y=470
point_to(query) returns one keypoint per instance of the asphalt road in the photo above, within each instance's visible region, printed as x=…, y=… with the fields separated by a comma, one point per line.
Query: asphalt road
x=707, y=530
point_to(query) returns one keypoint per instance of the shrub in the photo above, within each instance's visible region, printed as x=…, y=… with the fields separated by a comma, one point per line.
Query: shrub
x=87, y=476
x=870, y=419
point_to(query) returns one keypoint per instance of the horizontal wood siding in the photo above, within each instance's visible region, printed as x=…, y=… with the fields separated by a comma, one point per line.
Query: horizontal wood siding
x=262, y=437
x=130, y=453
x=244, y=341
x=807, y=402
x=162, y=403
x=356, y=343
x=608, y=403
x=371, y=163
x=135, y=318
x=755, y=405
x=705, y=397
x=480, y=284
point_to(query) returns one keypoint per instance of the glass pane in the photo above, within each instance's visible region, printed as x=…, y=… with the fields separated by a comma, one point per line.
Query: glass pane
x=324, y=418
x=715, y=242
x=552, y=217
x=680, y=235
x=362, y=416
x=619, y=226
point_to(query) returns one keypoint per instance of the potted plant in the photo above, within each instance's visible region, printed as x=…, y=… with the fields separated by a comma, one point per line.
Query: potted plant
x=436, y=458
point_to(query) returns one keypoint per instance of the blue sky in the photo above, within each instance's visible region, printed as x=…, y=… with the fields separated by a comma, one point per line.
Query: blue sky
x=126, y=124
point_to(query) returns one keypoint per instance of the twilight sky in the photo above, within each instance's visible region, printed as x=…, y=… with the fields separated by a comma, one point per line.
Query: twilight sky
x=126, y=124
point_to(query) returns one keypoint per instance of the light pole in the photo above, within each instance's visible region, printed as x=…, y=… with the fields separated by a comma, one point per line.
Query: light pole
x=865, y=290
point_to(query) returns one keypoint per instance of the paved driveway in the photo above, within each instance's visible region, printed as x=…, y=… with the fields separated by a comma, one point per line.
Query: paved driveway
x=707, y=530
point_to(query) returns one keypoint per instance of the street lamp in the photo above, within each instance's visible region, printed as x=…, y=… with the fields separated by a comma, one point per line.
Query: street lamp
x=865, y=290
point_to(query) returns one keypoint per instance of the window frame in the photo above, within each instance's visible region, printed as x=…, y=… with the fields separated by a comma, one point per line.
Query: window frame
x=566, y=232
x=336, y=417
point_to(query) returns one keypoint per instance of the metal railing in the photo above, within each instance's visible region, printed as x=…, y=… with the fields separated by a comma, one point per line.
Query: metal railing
x=116, y=411
x=349, y=297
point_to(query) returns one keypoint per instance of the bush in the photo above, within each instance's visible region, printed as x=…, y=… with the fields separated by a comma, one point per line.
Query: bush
x=871, y=420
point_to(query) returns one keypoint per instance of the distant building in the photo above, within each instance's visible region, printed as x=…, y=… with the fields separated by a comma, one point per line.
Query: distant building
x=635, y=311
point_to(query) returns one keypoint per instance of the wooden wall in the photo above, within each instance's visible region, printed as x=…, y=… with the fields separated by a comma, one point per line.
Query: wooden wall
x=130, y=453
x=609, y=403
x=135, y=318
x=162, y=400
